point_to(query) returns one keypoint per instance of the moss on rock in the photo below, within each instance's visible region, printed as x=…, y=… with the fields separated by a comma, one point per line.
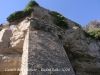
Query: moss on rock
x=20, y=14
x=58, y=19
x=94, y=33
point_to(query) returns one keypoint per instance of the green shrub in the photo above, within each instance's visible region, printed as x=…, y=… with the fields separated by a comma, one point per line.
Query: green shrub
x=15, y=15
x=28, y=11
x=20, y=14
x=31, y=4
x=95, y=33
x=59, y=19
x=87, y=34
x=29, y=7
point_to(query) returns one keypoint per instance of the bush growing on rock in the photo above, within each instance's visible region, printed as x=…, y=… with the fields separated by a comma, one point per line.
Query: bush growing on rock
x=16, y=15
x=95, y=33
x=59, y=19
x=20, y=14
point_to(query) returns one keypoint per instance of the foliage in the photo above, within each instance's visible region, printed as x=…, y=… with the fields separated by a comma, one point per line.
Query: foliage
x=59, y=19
x=15, y=15
x=28, y=11
x=20, y=14
x=31, y=4
x=87, y=34
x=95, y=33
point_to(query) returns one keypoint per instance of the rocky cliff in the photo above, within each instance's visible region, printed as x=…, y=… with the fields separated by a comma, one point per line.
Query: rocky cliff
x=83, y=52
x=92, y=25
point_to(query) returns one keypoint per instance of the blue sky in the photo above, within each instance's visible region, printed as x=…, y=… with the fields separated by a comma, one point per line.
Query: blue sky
x=80, y=11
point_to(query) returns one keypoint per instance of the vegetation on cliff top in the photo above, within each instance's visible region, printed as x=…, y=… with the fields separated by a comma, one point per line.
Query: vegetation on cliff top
x=58, y=19
x=94, y=33
x=20, y=14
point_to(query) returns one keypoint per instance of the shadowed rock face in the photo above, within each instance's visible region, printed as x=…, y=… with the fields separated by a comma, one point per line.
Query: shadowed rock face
x=47, y=52
x=83, y=52
x=1, y=27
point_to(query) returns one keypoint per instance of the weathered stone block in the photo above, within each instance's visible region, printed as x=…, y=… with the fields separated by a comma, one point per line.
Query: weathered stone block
x=46, y=55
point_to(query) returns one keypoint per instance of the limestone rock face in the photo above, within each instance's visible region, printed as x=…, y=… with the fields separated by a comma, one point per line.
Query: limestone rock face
x=24, y=65
x=11, y=47
x=8, y=58
x=43, y=15
x=46, y=51
x=19, y=32
x=83, y=52
x=92, y=25
x=5, y=35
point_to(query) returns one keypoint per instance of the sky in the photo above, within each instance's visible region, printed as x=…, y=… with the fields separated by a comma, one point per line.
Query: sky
x=80, y=11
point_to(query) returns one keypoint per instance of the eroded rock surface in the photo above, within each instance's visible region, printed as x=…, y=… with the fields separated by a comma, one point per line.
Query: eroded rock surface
x=92, y=25
x=11, y=47
x=19, y=31
x=9, y=60
x=83, y=52
x=5, y=35
x=46, y=51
